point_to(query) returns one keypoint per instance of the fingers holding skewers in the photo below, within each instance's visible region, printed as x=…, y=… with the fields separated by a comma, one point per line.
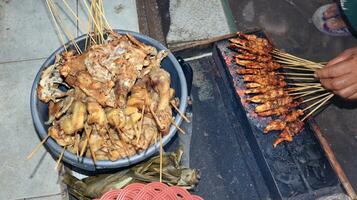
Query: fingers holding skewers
x=340, y=74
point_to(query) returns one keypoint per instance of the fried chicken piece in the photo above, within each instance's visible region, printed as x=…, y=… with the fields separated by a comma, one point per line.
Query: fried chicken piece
x=273, y=104
x=116, y=118
x=74, y=120
x=271, y=95
x=149, y=133
x=160, y=80
x=48, y=87
x=291, y=129
x=61, y=138
x=56, y=110
x=103, y=93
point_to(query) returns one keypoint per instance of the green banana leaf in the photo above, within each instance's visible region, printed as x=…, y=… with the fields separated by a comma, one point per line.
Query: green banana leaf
x=149, y=171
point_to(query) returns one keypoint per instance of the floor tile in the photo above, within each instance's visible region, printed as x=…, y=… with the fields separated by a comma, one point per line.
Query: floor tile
x=21, y=178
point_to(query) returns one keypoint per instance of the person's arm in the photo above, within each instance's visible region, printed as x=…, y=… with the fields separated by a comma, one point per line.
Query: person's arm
x=340, y=75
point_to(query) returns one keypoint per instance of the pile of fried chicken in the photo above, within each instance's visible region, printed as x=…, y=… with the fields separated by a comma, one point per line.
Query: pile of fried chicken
x=265, y=87
x=111, y=101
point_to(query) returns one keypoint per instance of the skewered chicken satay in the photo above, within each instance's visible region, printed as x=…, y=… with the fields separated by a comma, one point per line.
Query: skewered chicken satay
x=254, y=71
x=273, y=104
x=276, y=125
x=253, y=38
x=289, y=132
x=282, y=110
x=270, y=75
x=248, y=56
x=253, y=85
x=254, y=50
x=260, y=90
x=262, y=98
x=268, y=66
x=293, y=115
x=278, y=82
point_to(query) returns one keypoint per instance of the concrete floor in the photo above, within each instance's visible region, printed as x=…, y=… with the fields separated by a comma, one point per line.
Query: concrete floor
x=27, y=37
x=190, y=20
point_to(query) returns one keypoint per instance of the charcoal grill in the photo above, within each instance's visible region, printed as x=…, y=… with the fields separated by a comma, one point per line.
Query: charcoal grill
x=295, y=170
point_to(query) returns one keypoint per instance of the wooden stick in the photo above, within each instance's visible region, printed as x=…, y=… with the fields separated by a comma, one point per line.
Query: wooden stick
x=313, y=98
x=141, y=122
x=105, y=19
x=81, y=23
x=156, y=118
x=279, y=52
x=305, y=92
x=179, y=112
x=333, y=161
x=178, y=128
x=64, y=28
x=296, y=68
x=319, y=106
x=161, y=152
x=93, y=19
x=304, y=84
x=287, y=60
x=57, y=27
x=37, y=148
x=317, y=102
x=300, y=78
x=303, y=88
x=60, y=158
x=295, y=74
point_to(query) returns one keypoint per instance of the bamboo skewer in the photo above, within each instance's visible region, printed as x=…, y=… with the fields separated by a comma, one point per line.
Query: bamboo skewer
x=178, y=128
x=292, y=57
x=37, y=148
x=64, y=29
x=60, y=158
x=304, y=84
x=305, y=92
x=80, y=22
x=316, y=97
x=141, y=122
x=300, y=78
x=93, y=19
x=295, y=74
x=57, y=27
x=319, y=106
x=317, y=102
x=161, y=152
x=179, y=112
x=296, y=68
x=304, y=88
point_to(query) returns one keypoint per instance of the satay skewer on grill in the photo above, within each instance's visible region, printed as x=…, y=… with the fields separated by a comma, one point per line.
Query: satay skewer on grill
x=278, y=93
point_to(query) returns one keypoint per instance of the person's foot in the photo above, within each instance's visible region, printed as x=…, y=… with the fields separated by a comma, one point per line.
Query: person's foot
x=335, y=24
x=327, y=19
x=331, y=11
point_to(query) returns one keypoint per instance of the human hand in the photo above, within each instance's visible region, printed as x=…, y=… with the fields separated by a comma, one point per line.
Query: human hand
x=340, y=74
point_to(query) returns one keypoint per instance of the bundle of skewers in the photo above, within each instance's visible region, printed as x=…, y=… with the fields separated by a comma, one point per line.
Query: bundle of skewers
x=280, y=85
